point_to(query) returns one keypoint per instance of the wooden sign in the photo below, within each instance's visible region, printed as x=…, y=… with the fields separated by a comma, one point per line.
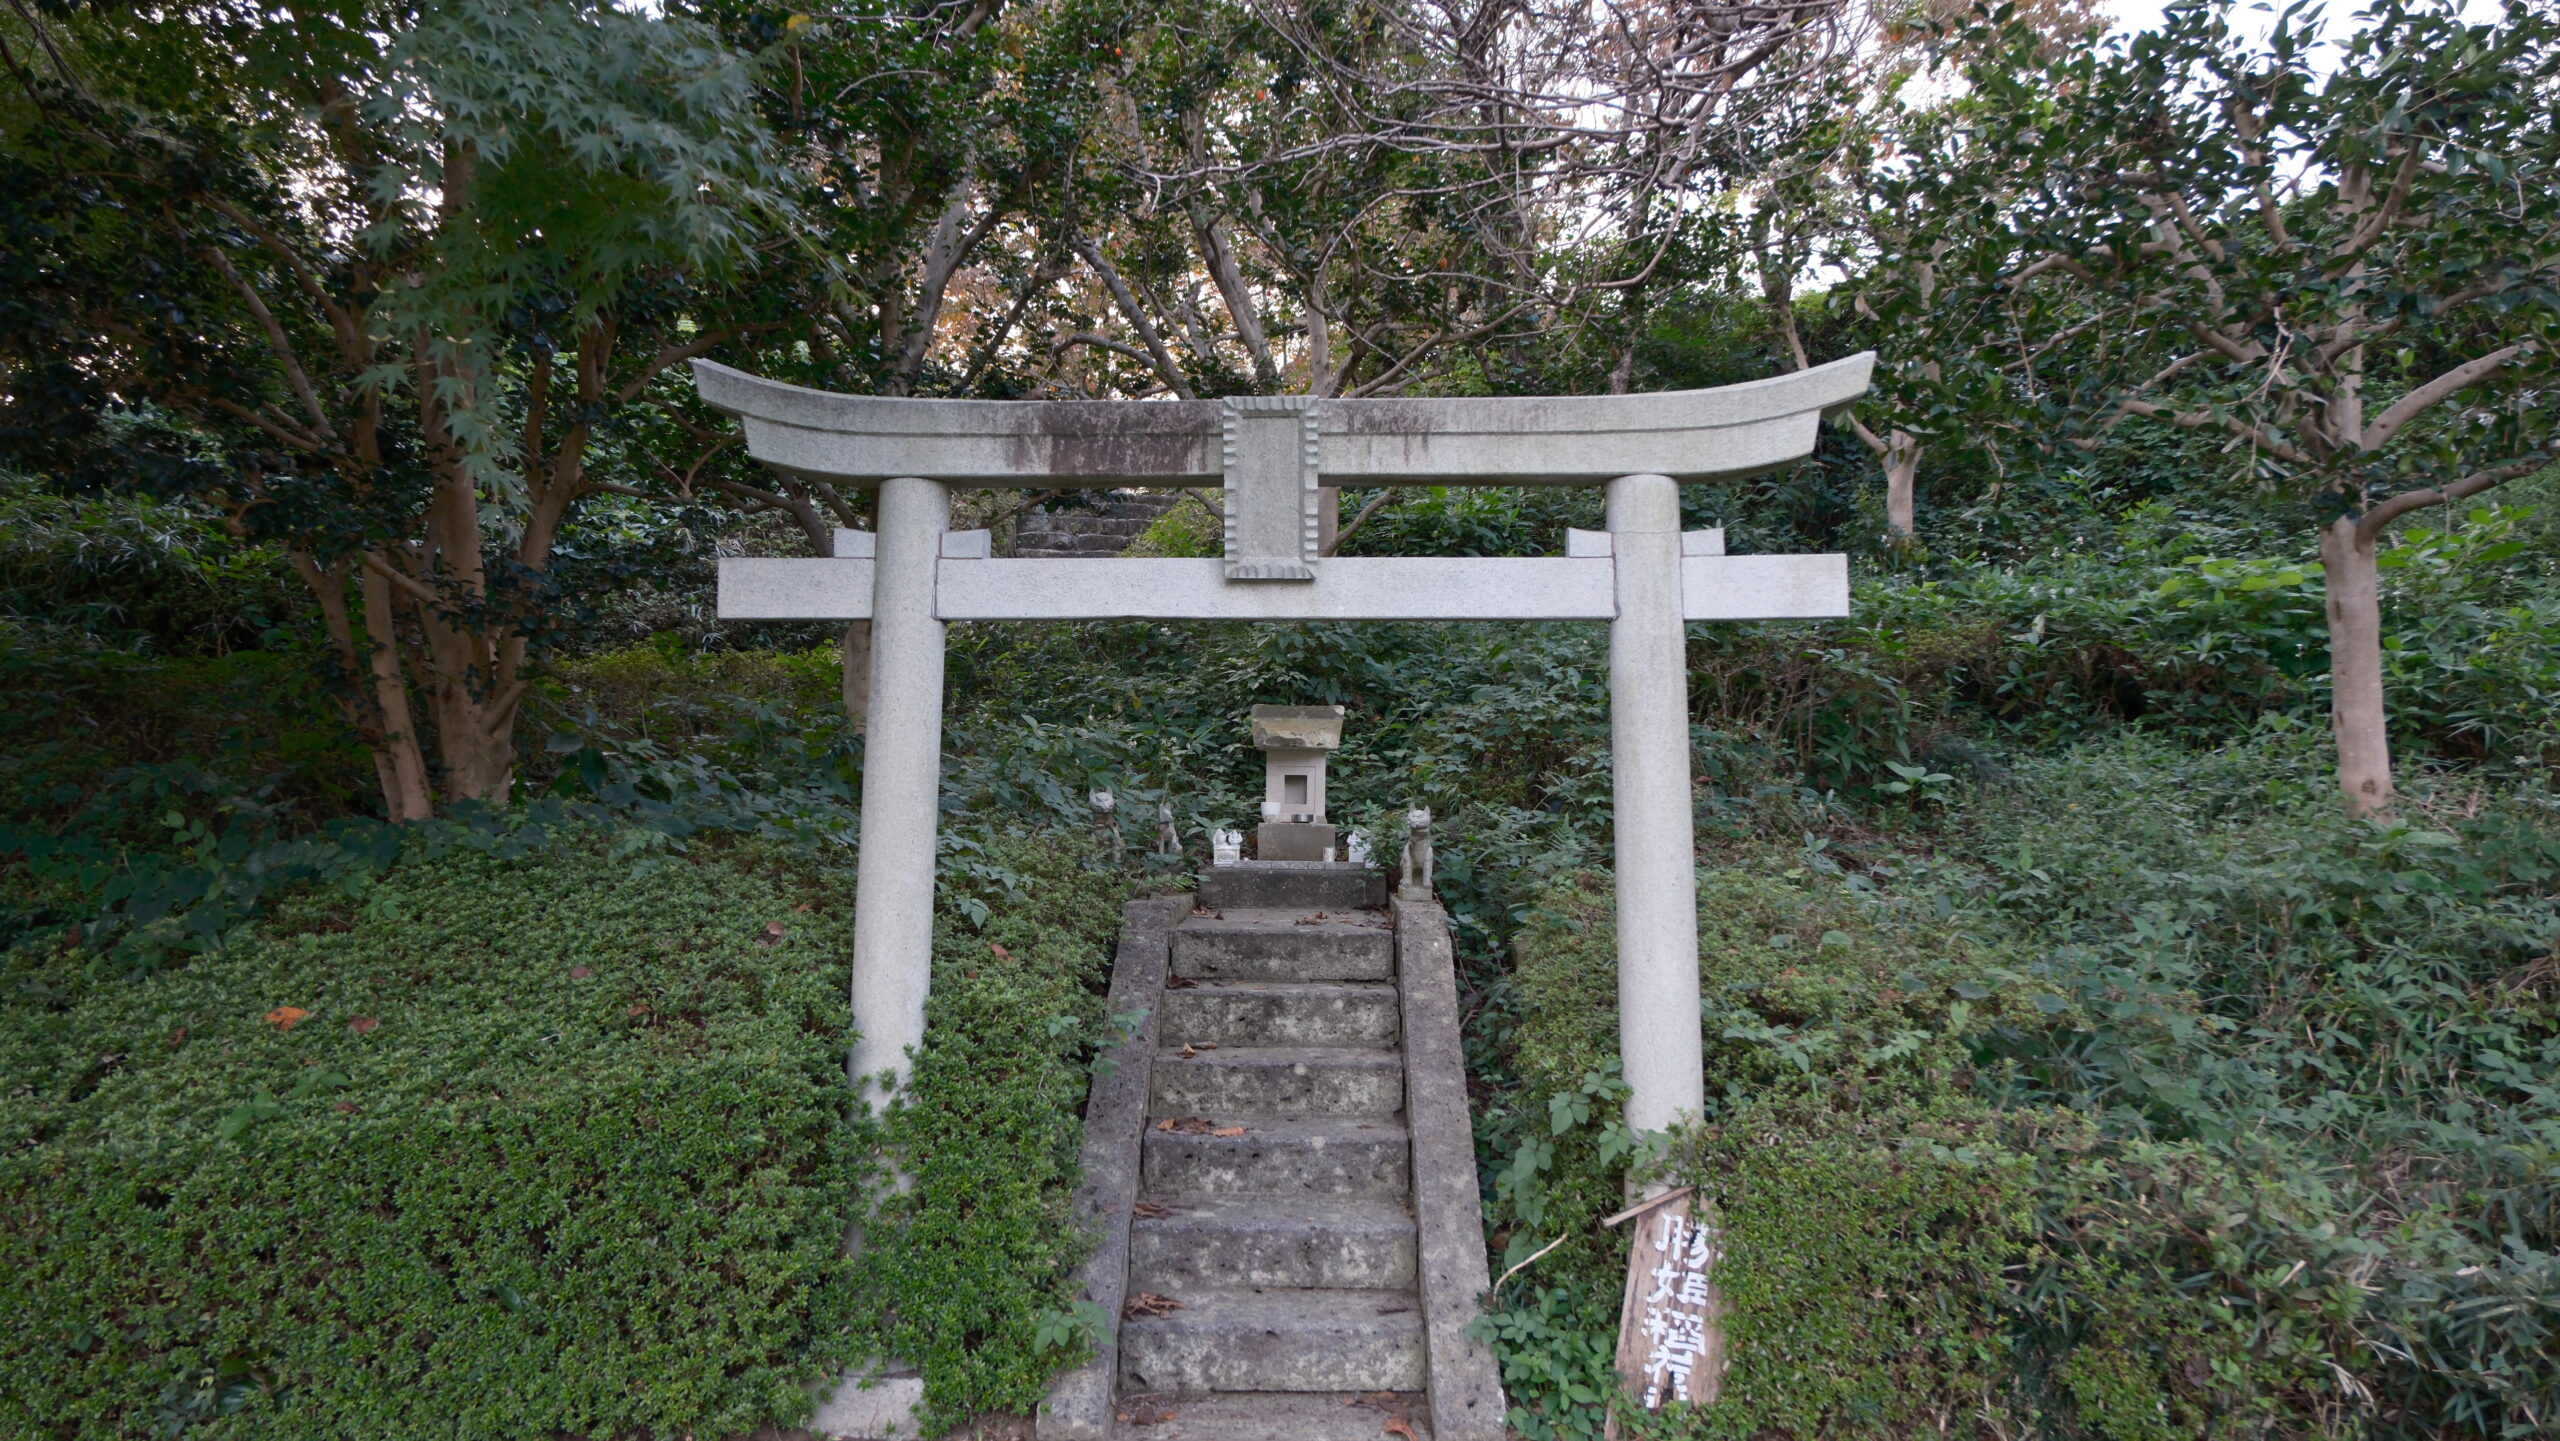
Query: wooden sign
x=1670, y=1324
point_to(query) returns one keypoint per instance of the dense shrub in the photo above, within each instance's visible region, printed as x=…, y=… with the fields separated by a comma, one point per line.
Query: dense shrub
x=2147, y=1099
x=490, y=1148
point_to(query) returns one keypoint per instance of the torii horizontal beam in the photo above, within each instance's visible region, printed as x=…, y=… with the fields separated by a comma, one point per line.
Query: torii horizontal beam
x=1689, y=435
x=1712, y=587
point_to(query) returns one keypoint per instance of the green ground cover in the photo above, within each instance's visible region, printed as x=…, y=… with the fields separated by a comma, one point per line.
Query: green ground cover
x=556, y=1144
x=2140, y=1097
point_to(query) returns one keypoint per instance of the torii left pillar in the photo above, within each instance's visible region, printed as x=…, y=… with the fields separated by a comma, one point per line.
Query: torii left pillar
x=901, y=786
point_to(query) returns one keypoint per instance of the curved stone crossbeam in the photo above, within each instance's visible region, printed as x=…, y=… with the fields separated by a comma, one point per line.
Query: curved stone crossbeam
x=1689, y=435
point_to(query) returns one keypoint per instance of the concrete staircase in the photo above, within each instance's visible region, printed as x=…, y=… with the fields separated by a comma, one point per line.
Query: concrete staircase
x=1279, y=1169
x=1276, y=1187
x=1105, y=527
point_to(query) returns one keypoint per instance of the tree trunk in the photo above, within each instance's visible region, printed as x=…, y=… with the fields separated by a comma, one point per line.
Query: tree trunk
x=477, y=743
x=398, y=758
x=1901, y=477
x=857, y=676
x=2356, y=714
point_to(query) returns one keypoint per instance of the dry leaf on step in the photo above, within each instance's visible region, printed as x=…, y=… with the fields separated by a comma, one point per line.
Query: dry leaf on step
x=1398, y=1426
x=1148, y=1303
x=1185, y=1125
x=1228, y=1131
x=1151, y=1210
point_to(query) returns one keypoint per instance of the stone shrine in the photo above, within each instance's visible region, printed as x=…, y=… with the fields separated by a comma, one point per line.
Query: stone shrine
x=1294, y=740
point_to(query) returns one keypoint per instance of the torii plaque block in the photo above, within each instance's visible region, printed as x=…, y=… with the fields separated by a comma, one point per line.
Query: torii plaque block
x=1269, y=453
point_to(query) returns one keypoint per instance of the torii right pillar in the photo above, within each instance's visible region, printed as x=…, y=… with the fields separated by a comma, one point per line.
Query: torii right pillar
x=1655, y=824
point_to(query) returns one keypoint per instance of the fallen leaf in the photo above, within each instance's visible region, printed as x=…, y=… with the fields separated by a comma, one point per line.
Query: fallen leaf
x=773, y=928
x=1372, y=1398
x=177, y=1038
x=285, y=1018
x=802, y=908
x=1206, y=914
x=1151, y=1210
x=1228, y=1131
x=362, y=1024
x=579, y=973
x=1188, y=1052
x=1148, y=1303
x=345, y=1108
x=1398, y=1426
x=1180, y=983
x=638, y=1008
x=1148, y=1418
x=1000, y=952
x=1206, y=1045
x=1185, y=1125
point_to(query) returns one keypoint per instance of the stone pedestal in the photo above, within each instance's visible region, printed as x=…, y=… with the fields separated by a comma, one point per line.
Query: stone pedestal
x=1292, y=841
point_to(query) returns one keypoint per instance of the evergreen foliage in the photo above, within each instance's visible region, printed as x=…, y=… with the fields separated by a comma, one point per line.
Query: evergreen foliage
x=555, y=1144
x=2140, y=1097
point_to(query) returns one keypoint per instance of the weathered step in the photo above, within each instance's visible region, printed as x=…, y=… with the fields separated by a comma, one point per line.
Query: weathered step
x=1269, y=945
x=1303, y=885
x=1276, y=1340
x=1336, y=1157
x=1275, y=1416
x=1222, y=1242
x=1279, y=1081
x=1280, y=1013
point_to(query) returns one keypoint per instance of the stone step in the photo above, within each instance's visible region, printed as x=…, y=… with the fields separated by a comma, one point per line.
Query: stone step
x=1089, y=523
x=1274, y=945
x=1278, y=1081
x=1296, y=885
x=1337, y=1157
x=1083, y=540
x=1363, y=1243
x=1274, y=1416
x=1276, y=1340
x=1280, y=1013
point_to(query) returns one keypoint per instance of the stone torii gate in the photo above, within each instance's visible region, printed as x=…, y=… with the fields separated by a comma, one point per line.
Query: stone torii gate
x=1270, y=453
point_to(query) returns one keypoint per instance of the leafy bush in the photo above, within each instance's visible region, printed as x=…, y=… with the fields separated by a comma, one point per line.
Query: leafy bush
x=130, y=573
x=492, y=1149
x=2151, y=1100
x=505, y=1148
x=961, y=1267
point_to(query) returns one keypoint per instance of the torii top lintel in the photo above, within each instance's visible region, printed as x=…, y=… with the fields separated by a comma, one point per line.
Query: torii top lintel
x=1689, y=435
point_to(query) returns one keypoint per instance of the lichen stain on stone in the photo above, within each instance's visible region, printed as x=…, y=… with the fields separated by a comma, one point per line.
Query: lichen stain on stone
x=1066, y=439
